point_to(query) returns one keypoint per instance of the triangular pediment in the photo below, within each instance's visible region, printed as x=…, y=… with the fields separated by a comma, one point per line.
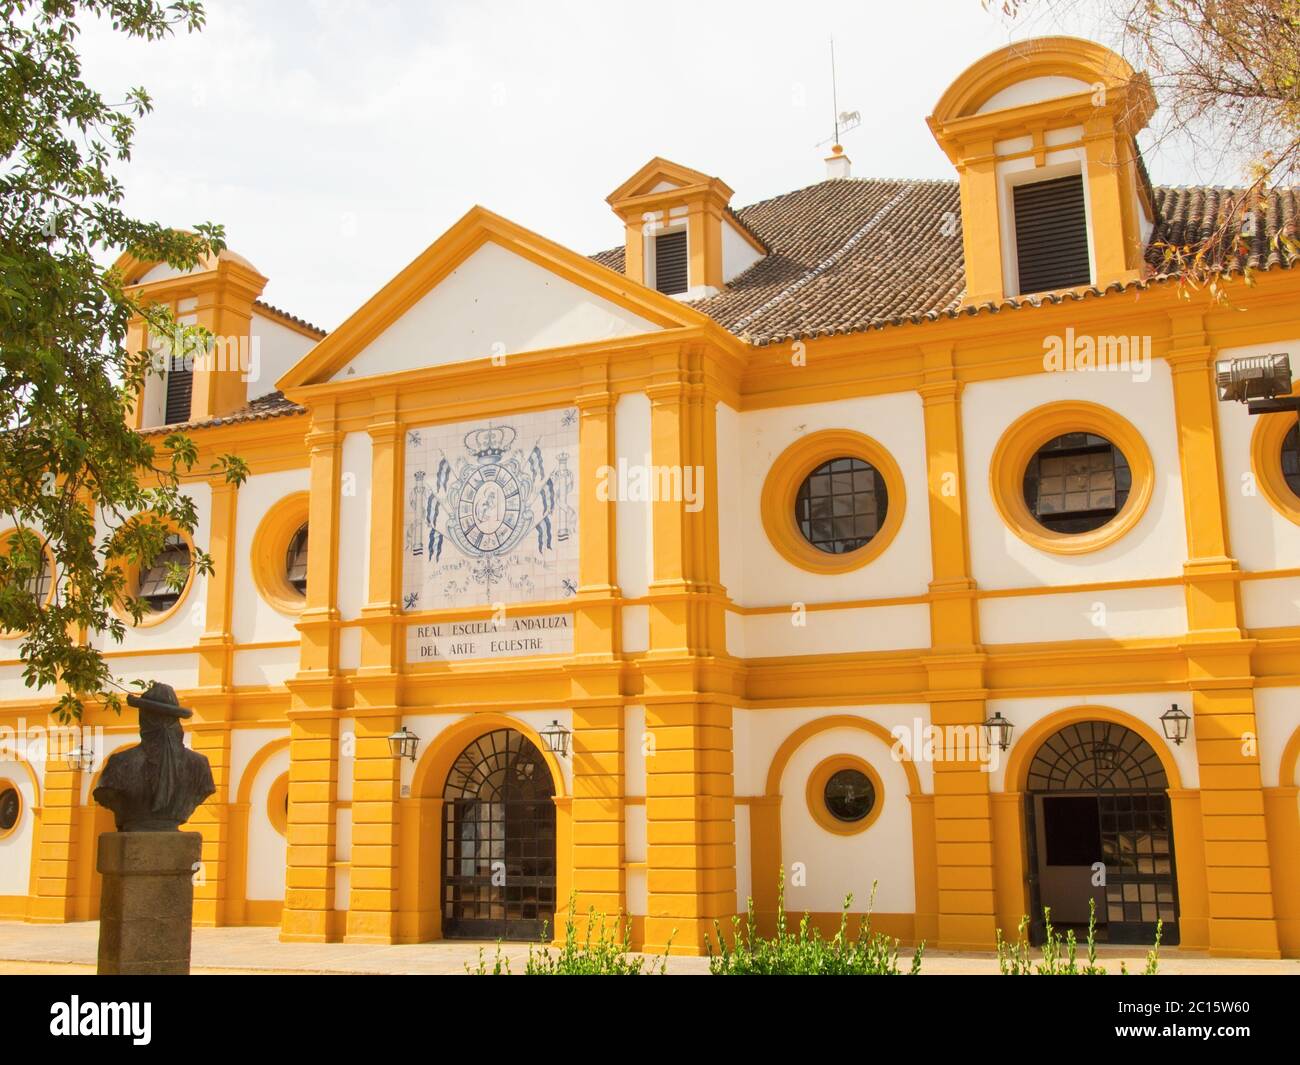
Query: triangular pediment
x=487, y=288
x=663, y=175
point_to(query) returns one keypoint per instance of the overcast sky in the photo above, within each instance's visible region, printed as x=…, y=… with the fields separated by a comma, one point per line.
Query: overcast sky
x=336, y=139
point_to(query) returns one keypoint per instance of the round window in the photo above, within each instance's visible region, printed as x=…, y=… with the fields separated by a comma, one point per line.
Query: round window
x=156, y=586
x=849, y=795
x=10, y=808
x=1291, y=458
x=841, y=505
x=295, y=561
x=1077, y=482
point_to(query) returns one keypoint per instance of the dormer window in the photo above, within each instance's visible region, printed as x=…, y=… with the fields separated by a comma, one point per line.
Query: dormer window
x=670, y=262
x=1021, y=126
x=1051, y=227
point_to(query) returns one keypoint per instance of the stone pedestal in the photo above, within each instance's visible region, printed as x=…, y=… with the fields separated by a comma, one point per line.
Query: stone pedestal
x=147, y=905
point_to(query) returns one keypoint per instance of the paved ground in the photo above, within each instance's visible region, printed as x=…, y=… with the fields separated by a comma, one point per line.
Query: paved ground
x=71, y=948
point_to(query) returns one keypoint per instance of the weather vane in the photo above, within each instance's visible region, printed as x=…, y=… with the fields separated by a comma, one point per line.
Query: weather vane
x=843, y=121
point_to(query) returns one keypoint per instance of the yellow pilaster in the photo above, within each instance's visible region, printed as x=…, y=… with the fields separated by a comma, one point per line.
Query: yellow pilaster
x=981, y=230
x=690, y=822
x=376, y=832
x=1110, y=195
x=1282, y=812
x=382, y=634
x=965, y=855
x=216, y=645
x=376, y=776
x=597, y=809
x=690, y=793
x=318, y=623
x=1242, y=916
x=225, y=307
x=212, y=821
x=596, y=613
x=309, y=914
x=55, y=850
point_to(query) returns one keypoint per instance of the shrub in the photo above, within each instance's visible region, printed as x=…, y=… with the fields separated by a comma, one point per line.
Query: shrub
x=1059, y=955
x=806, y=953
x=607, y=956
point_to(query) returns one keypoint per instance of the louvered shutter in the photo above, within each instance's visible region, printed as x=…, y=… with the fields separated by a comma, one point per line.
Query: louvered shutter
x=1051, y=235
x=180, y=381
x=670, y=262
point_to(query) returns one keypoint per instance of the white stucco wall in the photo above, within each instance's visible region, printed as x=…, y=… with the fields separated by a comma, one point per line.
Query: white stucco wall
x=763, y=576
x=1112, y=614
x=278, y=349
x=1155, y=547
x=354, y=524
x=1261, y=537
x=1032, y=90
x=493, y=303
x=838, y=865
x=267, y=848
x=16, y=847
x=253, y=619
x=633, y=518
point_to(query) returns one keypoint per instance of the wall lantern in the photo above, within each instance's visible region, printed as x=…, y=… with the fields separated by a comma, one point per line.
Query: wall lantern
x=1175, y=723
x=403, y=744
x=557, y=738
x=998, y=729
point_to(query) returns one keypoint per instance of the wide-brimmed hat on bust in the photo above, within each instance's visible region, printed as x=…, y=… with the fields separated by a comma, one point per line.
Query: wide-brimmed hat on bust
x=160, y=699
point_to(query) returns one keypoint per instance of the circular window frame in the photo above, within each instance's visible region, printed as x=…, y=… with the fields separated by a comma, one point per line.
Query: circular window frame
x=270, y=547
x=815, y=794
x=1028, y=434
x=277, y=808
x=131, y=577
x=5, y=536
x=788, y=473
x=1266, y=463
x=5, y=784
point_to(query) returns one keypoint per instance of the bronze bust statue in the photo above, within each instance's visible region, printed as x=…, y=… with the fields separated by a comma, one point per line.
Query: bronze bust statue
x=156, y=786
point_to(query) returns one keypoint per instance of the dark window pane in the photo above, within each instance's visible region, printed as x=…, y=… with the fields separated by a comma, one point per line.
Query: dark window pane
x=849, y=795
x=9, y=807
x=848, y=492
x=1291, y=459
x=1077, y=482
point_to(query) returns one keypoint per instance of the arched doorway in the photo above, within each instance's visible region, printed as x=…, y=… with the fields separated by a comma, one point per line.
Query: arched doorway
x=1098, y=826
x=498, y=840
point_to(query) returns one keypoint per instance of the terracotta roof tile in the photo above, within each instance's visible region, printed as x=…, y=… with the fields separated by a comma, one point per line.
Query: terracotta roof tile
x=276, y=312
x=264, y=408
x=847, y=255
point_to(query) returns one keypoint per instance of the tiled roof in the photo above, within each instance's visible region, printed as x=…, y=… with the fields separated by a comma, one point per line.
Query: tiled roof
x=853, y=254
x=276, y=312
x=264, y=408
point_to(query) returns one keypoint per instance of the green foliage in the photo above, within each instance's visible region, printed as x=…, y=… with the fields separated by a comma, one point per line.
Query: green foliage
x=807, y=953
x=74, y=480
x=607, y=956
x=1060, y=954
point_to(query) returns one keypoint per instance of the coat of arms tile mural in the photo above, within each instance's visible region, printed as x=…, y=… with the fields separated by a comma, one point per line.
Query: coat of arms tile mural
x=491, y=511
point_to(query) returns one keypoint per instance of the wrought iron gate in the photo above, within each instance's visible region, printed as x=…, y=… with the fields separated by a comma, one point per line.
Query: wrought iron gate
x=498, y=849
x=1116, y=767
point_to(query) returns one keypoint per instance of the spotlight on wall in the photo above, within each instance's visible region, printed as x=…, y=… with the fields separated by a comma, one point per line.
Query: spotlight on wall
x=1175, y=722
x=998, y=730
x=557, y=738
x=1262, y=382
x=404, y=744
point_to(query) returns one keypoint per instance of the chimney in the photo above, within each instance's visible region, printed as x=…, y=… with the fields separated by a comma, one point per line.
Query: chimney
x=838, y=164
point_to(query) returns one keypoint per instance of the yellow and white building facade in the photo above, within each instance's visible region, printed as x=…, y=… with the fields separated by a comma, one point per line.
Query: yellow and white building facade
x=710, y=560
